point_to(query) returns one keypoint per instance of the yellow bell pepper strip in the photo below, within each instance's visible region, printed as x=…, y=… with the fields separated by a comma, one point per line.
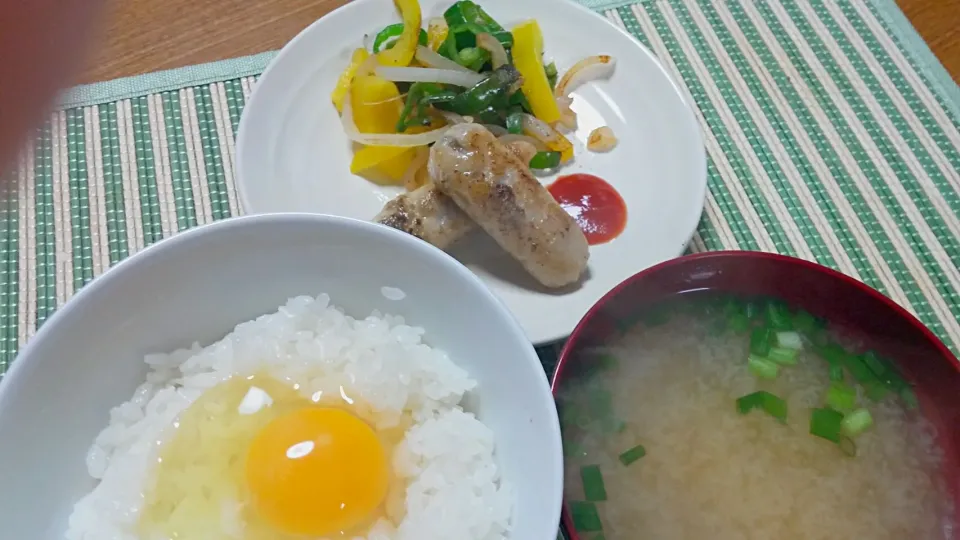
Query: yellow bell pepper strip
x=343, y=83
x=437, y=31
x=406, y=45
x=528, y=59
x=376, y=109
x=562, y=145
x=376, y=104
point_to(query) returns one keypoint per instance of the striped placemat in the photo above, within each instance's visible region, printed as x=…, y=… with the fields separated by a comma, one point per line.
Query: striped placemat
x=828, y=137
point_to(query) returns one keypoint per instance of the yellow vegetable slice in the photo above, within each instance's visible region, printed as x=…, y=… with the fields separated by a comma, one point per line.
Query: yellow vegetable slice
x=343, y=83
x=528, y=59
x=406, y=45
x=382, y=164
x=437, y=31
x=376, y=104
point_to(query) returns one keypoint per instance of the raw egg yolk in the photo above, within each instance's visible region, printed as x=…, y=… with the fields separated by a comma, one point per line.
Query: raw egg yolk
x=316, y=471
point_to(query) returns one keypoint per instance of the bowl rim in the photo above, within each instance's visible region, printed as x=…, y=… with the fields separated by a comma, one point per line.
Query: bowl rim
x=572, y=342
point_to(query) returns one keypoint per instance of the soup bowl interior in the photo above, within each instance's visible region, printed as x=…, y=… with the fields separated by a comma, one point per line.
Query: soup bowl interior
x=847, y=303
x=196, y=286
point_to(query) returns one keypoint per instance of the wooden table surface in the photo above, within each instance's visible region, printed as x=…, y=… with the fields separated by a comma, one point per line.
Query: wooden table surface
x=139, y=36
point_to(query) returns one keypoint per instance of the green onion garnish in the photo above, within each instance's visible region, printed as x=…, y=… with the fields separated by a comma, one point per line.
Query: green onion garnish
x=909, y=398
x=593, y=489
x=783, y=356
x=778, y=316
x=874, y=363
x=841, y=397
x=585, y=516
x=633, y=454
x=825, y=423
x=572, y=449
x=773, y=405
x=836, y=373
x=760, y=341
x=762, y=368
x=739, y=323
x=856, y=422
x=876, y=390
x=804, y=322
x=751, y=310
x=847, y=446
x=789, y=340
x=833, y=354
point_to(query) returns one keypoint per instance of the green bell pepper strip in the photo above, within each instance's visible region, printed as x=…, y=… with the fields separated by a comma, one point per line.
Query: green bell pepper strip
x=393, y=32
x=494, y=91
x=551, y=71
x=467, y=16
x=545, y=160
x=419, y=97
x=515, y=123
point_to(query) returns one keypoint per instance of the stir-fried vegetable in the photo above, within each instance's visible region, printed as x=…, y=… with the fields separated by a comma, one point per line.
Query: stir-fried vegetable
x=468, y=20
x=528, y=57
x=494, y=91
x=401, y=54
x=464, y=67
x=545, y=160
x=346, y=78
x=387, y=37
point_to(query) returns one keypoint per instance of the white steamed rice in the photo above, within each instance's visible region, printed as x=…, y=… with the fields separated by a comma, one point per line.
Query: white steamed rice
x=454, y=490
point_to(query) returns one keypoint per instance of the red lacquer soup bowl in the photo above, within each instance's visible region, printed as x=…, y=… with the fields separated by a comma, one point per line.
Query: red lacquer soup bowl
x=883, y=325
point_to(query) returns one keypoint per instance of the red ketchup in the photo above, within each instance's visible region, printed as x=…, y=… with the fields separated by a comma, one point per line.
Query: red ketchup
x=593, y=203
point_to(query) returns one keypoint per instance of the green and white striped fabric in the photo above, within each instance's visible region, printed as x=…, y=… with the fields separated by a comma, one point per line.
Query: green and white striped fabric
x=827, y=138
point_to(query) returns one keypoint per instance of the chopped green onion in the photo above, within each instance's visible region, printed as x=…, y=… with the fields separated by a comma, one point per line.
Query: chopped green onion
x=545, y=160
x=805, y=322
x=783, y=356
x=856, y=422
x=572, y=449
x=833, y=354
x=633, y=454
x=789, y=340
x=760, y=341
x=876, y=390
x=825, y=423
x=762, y=368
x=909, y=398
x=858, y=368
x=874, y=363
x=739, y=323
x=751, y=310
x=778, y=316
x=773, y=405
x=515, y=123
x=847, y=446
x=841, y=397
x=836, y=373
x=585, y=516
x=593, y=488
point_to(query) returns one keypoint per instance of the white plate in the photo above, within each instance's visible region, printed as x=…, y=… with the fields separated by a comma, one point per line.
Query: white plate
x=293, y=157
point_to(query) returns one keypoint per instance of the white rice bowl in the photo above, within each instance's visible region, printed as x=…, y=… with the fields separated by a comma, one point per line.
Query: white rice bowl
x=454, y=490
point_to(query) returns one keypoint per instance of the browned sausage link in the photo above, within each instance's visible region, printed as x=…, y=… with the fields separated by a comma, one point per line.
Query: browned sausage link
x=499, y=193
x=427, y=214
